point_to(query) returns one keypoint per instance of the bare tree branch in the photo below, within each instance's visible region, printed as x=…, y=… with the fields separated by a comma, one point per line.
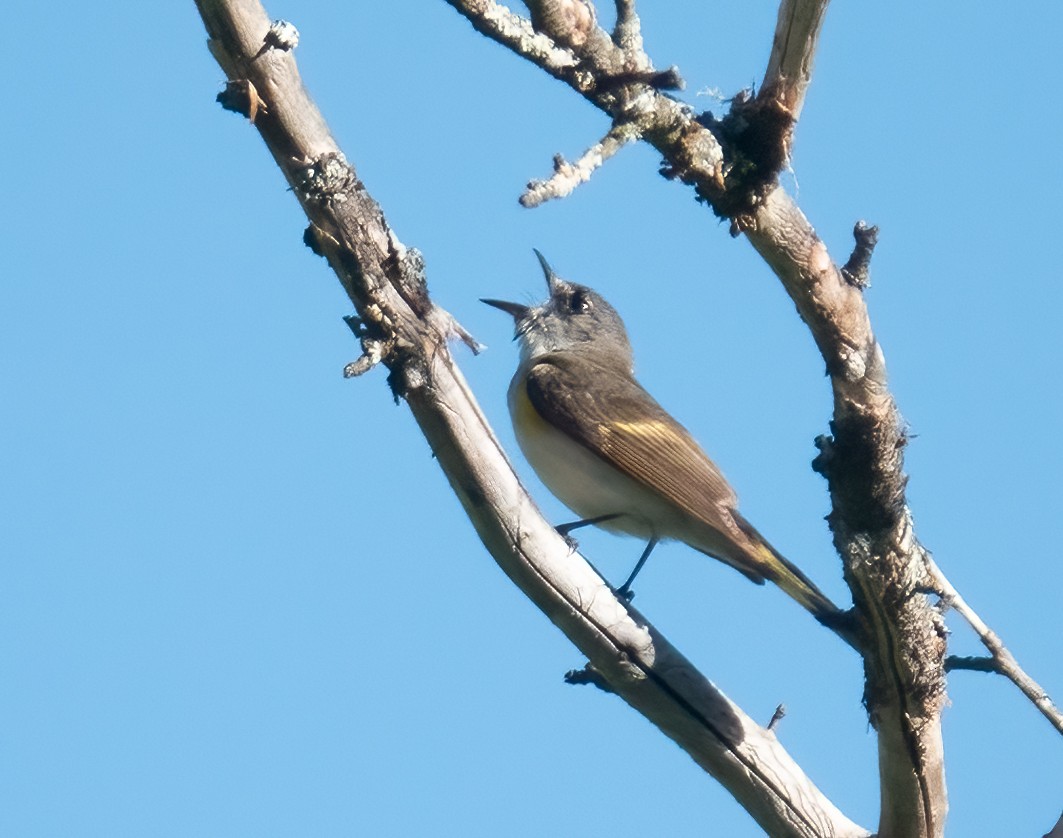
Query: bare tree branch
x=399, y=325
x=884, y=563
x=1002, y=661
x=627, y=34
x=793, y=52
x=567, y=176
x=761, y=127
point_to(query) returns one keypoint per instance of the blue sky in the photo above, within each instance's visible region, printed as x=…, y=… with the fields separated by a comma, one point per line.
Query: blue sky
x=238, y=597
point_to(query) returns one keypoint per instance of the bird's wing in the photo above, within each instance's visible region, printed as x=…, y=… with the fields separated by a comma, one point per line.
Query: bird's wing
x=609, y=413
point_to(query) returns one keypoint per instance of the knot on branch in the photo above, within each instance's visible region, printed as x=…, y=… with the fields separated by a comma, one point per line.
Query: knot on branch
x=328, y=179
x=407, y=266
x=281, y=35
x=756, y=137
x=862, y=463
x=312, y=238
x=240, y=96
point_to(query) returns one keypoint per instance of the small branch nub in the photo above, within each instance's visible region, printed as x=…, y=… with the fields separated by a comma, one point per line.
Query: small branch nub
x=373, y=349
x=974, y=663
x=589, y=676
x=777, y=716
x=240, y=96
x=856, y=270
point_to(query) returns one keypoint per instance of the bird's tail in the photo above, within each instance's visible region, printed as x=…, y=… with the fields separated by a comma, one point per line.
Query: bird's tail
x=772, y=565
x=787, y=576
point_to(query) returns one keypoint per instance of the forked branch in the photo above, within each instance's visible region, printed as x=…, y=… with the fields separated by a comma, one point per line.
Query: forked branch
x=1001, y=661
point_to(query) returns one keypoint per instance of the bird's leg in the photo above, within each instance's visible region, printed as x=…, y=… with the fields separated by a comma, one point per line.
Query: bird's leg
x=563, y=530
x=625, y=589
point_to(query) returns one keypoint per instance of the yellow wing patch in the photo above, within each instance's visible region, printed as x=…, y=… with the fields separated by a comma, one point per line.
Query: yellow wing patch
x=640, y=427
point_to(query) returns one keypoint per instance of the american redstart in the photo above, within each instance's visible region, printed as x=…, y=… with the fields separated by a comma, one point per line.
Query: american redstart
x=612, y=454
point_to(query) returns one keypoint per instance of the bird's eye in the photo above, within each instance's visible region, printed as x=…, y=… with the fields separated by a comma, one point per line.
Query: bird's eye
x=579, y=302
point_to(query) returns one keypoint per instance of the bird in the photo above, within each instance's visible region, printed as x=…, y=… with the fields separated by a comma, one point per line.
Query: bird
x=605, y=447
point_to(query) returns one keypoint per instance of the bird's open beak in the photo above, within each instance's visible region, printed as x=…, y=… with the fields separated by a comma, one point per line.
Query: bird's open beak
x=553, y=281
x=518, y=311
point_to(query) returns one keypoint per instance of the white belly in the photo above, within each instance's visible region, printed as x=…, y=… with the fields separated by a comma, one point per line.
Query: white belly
x=584, y=482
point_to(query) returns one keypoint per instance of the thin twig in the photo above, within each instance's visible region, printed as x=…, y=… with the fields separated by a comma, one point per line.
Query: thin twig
x=567, y=176
x=1005, y=663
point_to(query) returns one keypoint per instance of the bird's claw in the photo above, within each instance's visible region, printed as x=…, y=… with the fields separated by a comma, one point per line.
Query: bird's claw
x=573, y=544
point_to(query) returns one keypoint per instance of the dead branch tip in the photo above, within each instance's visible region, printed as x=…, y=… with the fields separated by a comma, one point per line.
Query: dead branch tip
x=588, y=676
x=567, y=176
x=777, y=716
x=856, y=270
